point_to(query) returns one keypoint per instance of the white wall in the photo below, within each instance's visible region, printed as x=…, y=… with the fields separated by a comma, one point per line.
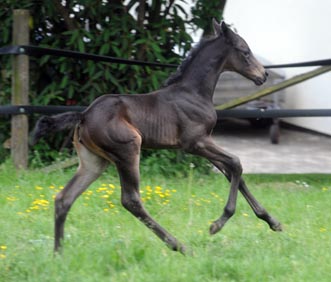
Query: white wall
x=285, y=32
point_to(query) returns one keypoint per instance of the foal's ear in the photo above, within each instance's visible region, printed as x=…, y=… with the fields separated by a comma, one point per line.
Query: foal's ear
x=217, y=27
x=224, y=27
x=220, y=29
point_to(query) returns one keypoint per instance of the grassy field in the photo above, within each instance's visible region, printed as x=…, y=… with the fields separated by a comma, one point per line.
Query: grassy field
x=105, y=243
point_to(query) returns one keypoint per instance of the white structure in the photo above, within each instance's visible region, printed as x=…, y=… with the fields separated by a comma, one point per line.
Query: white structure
x=288, y=32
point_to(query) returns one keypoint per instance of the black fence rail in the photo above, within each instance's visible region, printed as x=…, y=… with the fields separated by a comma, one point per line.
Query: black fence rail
x=36, y=51
x=45, y=110
x=237, y=113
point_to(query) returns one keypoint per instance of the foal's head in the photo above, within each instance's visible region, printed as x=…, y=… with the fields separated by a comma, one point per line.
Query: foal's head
x=240, y=58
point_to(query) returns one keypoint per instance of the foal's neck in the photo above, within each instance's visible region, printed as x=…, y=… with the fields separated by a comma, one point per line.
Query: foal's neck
x=205, y=68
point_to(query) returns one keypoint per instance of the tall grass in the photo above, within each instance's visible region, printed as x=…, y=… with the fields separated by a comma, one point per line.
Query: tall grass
x=103, y=242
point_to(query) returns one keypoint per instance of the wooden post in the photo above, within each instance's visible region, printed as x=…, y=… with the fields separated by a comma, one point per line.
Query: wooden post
x=20, y=90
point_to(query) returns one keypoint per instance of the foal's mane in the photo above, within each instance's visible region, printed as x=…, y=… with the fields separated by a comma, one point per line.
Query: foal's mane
x=176, y=76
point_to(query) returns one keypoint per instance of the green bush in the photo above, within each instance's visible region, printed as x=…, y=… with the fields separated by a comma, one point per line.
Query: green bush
x=172, y=162
x=157, y=31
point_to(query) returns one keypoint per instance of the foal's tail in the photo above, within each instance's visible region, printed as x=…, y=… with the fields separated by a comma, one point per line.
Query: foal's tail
x=48, y=124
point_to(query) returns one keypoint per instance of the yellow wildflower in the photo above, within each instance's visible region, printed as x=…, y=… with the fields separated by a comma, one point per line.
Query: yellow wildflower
x=11, y=198
x=158, y=188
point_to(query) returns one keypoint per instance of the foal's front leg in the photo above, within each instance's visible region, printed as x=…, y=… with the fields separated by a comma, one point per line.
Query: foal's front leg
x=259, y=211
x=230, y=166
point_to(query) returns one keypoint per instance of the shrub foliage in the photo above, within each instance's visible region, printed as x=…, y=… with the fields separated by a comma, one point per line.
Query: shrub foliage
x=155, y=31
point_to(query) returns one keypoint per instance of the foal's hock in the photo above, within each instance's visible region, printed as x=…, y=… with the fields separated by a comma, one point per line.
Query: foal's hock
x=180, y=115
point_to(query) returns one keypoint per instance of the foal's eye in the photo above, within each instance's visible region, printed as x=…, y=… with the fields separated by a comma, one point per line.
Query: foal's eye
x=246, y=53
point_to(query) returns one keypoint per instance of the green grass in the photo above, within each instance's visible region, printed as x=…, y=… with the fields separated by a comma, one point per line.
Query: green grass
x=105, y=243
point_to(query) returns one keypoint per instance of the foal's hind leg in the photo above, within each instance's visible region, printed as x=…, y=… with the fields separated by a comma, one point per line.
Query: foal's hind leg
x=90, y=168
x=128, y=168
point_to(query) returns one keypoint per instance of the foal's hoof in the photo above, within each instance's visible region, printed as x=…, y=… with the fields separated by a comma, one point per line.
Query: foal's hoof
x=188, y=252
x=182, y=249
x=215, y=227
x=276, y=227
x=178, y=248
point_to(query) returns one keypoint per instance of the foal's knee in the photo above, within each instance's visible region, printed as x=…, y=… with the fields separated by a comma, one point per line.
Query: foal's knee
x=236, y=166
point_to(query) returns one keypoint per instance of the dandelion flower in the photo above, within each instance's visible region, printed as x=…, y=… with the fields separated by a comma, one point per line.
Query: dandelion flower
x=11, y=198
x=101, y=189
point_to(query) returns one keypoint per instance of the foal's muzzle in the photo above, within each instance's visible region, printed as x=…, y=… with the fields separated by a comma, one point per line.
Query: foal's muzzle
x=261, y=79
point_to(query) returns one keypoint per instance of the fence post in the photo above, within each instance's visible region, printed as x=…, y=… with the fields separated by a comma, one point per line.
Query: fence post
x=20, y=90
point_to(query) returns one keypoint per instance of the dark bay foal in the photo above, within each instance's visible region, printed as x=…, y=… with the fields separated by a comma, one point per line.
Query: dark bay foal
x=181, y=115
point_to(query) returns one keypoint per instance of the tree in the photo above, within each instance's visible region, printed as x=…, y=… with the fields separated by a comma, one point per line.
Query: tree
x=203, y=11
